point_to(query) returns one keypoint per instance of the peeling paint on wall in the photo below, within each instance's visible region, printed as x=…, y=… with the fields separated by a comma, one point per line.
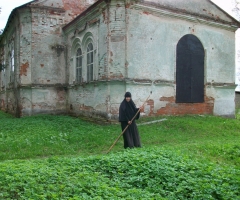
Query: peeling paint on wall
x=23, y=69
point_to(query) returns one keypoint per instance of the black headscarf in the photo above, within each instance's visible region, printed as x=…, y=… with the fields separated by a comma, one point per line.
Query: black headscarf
x=127, y=110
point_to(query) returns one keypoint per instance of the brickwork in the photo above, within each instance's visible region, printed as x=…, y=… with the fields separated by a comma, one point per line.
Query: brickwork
x=173, y=108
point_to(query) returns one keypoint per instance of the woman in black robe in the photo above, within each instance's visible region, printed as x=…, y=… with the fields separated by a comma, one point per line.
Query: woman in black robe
x=127, y=111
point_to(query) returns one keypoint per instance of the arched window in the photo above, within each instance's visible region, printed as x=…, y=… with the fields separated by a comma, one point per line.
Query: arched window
x=3, y=74
x=190, y=70
x=90, y=62
x=79, y=65
x=12, y=60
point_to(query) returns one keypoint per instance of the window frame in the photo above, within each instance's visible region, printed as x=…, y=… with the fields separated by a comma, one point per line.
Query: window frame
x=11, y=62
x=3, y=72
x=90, y=62
x=3, y=75
x=79, y=65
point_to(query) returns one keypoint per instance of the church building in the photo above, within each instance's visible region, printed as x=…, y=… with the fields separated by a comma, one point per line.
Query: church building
x=79, y=57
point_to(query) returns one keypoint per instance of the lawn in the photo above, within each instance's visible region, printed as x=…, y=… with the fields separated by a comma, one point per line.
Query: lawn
x=61, y=157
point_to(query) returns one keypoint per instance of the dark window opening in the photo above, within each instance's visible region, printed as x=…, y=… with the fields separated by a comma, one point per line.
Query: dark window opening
x=79, y=57
x=190, y=70
x=90, y=62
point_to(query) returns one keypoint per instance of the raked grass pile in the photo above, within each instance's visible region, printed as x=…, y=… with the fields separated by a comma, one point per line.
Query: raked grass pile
x=60, y=157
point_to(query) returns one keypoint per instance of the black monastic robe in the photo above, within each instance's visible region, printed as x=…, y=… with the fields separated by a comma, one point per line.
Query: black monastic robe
x=127, y=111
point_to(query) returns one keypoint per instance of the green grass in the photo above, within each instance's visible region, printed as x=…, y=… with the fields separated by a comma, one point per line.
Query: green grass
x=61, y=157
x=149, y=173
x=214, y=138
x=238, y=113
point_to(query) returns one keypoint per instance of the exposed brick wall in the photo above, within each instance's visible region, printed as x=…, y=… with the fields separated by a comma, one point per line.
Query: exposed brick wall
x=173, y=108
x=75, y=6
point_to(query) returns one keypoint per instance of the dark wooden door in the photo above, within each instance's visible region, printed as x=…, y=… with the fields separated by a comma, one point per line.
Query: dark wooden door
x=190, y=70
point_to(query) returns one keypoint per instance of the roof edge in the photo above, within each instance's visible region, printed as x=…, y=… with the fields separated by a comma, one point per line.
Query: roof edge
x=234, y=21
x=233, y=18
x=83, y=14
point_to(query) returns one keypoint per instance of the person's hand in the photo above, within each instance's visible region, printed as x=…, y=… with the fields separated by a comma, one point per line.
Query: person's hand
x=129, y=122
x=141, y=109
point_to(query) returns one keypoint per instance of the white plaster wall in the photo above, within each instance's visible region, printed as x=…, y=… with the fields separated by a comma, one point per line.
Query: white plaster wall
x=117, y=39
x=117, y=90
x=224, y=100
x=25, y=65
x=237, y=78
x=151, y=47
x=48, y=100
x=48, y=58
x=26, y=101
x=2, y=100
x=89, y=100
x=151, y=55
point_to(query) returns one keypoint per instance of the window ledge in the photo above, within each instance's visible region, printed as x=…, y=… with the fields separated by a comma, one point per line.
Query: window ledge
x=84, y=83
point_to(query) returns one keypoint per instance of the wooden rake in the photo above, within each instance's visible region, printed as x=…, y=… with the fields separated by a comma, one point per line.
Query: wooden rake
x=115, y=142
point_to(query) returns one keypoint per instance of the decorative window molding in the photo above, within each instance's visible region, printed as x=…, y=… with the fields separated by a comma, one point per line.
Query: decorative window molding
x=89, y=46
x=76, y=61
x=83, y=60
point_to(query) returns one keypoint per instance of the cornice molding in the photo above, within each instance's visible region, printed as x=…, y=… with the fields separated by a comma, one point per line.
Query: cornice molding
x=187, y=17
x=146, y=82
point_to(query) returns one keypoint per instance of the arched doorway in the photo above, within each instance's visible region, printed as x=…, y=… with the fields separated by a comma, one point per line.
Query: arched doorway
x=190, y=70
